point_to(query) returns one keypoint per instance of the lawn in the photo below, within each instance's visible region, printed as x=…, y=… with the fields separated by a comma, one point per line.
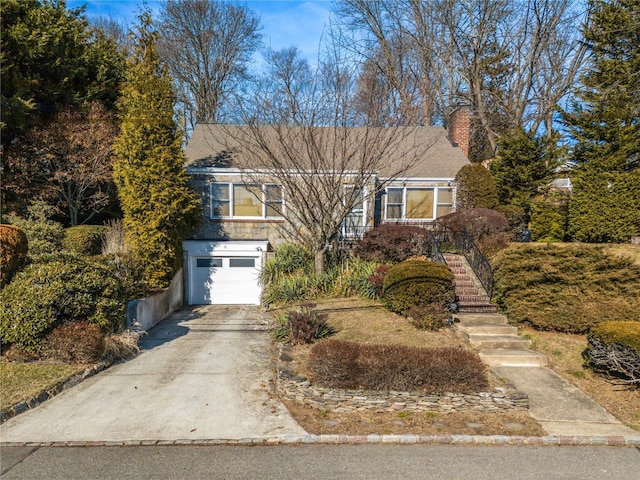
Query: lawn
x=22, y=381
x=366, y=321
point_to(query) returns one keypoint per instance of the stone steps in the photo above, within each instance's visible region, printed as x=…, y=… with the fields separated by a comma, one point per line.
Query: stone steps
x=502, y=357
x=487, y=329
x=493, y=342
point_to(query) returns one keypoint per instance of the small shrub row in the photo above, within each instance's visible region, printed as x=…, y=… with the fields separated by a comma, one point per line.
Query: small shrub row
x=13, y=252
x=614, y=348
x=390, y=243
x=301, y=326
x=565, y=288
x=350, y=365
x=84, y=239
x=421, y=290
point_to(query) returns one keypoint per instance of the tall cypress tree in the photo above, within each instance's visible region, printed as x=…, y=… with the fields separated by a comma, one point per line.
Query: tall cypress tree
x=158, y=206
x=605, y=122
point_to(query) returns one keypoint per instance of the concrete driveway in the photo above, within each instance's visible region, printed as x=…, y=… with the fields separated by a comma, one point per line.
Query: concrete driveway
x=205, y=373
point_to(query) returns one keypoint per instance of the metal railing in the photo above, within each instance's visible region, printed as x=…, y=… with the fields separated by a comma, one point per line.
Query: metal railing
x=462, y=243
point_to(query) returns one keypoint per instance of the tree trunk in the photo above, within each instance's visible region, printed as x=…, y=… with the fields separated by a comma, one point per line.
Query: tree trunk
x=319, y=260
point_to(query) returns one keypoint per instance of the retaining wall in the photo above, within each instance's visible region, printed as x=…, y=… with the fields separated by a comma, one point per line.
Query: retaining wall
x=149, y=311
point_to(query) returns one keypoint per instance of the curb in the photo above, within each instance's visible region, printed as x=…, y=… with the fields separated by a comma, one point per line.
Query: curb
x=479, y=440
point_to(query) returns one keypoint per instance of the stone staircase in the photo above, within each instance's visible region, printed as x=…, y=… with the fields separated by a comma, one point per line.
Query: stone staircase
x=497, y=342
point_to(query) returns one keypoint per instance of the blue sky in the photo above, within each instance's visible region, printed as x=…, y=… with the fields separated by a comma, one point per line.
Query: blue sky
x=285, y=22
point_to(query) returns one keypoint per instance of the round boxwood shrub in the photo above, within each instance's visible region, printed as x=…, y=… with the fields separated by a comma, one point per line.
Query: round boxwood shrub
x=13, y=252
x=614, y=348
x=390, y=243
x=84, y=239
x=59, y=289
x=419, y=289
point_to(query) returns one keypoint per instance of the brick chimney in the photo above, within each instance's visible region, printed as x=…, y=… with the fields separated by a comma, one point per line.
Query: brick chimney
x=459, y=127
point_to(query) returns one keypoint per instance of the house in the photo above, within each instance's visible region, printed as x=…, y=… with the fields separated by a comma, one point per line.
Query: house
x=242, y=219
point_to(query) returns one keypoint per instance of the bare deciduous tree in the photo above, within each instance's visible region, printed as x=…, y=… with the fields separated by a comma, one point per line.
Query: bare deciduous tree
x=325, y=156
x=512, y=61
x=206, y=45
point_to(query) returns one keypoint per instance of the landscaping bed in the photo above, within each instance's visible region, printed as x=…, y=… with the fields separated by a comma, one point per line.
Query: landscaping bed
x=366, y=321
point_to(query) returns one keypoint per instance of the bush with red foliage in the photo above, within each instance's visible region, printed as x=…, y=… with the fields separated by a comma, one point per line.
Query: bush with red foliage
x=376, y=280
x=391, y=243
x=341, y=364
x=489, y=228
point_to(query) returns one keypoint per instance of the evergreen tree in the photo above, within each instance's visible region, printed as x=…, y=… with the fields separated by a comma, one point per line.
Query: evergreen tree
x=158, y=206
x=605, y=122
x=476, y=187
x=523, y=164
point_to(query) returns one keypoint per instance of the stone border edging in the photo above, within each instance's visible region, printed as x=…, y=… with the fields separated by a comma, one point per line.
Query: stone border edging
x=407, y=439
x=44, y=395
x=296, y=388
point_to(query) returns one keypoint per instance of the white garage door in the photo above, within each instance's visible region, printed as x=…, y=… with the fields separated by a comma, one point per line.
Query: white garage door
x=226, y=273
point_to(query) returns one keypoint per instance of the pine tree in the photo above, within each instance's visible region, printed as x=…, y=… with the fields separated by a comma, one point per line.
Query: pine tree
x=605, y=122
x=523, y=164
x=158, y=206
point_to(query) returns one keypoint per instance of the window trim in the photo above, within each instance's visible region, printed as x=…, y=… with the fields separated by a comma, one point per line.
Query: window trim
x=264, y=204
x=404, y=188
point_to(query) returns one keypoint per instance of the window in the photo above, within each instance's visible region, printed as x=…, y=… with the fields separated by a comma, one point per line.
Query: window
x=208, y=262
x=238, y=200
x=445, y=202
x=418, y=203
x=242, y=262
x=354, y=222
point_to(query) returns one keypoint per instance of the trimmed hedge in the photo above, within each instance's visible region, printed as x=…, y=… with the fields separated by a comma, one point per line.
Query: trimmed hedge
x=349, y=365
x=13, y=252
x=566, y=288
x=614, y=348
x=414, y=287
x=390, y=243
x=59, y=289
x=84, y=239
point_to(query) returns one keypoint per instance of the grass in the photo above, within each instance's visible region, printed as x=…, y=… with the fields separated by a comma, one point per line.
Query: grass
x=22, y=381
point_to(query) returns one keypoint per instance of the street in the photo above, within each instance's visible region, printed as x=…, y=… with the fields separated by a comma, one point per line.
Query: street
x=353, y=462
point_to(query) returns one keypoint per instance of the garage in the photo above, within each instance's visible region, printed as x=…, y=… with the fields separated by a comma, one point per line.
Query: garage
x=224, y=272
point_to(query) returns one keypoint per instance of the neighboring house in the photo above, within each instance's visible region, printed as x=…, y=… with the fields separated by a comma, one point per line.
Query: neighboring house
x=241, y=218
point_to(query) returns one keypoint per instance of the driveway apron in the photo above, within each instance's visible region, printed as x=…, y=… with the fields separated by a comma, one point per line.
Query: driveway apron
x=205, y=372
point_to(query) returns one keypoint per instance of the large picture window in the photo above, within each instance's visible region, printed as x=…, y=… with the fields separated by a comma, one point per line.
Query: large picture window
x=418, y=203
x=239, y=200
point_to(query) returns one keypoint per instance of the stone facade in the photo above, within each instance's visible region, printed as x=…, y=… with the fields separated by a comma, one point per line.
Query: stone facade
x=297, y=388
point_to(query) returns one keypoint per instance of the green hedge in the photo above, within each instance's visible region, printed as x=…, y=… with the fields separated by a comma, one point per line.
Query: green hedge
x=623, y=333
x=84, y=239
x=566, y=288
x=59, y=289
x=414, y=287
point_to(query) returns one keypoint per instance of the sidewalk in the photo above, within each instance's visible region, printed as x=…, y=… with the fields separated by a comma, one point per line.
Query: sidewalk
x=559, y=407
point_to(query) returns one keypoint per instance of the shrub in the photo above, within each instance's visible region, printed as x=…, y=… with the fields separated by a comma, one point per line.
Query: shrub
x=390, y=243
x=301, y=326
x=614, y=348
x=287, y=259
x=340, y=364
x=549, y=218
x=516, y=217
x=44, y=235
x=566, y=288
x=476, y=187
x=411, y=288
x=13, y=252
x=489, y=228
x=59, y=289
x=74, y=342
x=84, y=239
x=376, y=279
x=351, y=278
